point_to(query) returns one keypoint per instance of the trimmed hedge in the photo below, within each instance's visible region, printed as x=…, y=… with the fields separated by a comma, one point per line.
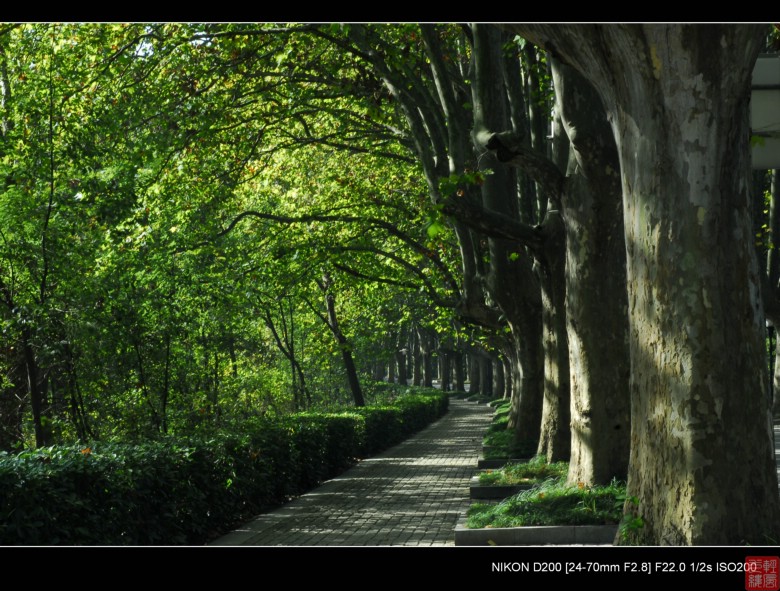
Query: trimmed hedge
x=179, y=491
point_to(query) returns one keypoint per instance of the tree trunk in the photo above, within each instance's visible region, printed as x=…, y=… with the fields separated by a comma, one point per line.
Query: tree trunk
x=37, y=390
x=525, y=418
x=416, y=358
x=486, y=375
x=445, y=370
x=378, y=372
x=498, y=377
x=702, y=458
x=398, y=360
x=555, y=433
x=506, y=362
x=771, y=292
x=474, y=375
x=596, y=306
x=426, y=346
x=460, y=381
x=343, y=343
x=286, y=344
x=12, y=400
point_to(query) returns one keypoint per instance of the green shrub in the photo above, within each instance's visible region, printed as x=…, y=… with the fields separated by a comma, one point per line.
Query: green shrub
x=177, y=491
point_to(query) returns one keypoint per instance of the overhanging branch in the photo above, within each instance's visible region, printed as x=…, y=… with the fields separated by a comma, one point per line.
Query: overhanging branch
x=491, y=223
x=533, y=163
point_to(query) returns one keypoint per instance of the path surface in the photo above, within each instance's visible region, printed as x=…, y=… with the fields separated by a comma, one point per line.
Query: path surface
x=411, y=495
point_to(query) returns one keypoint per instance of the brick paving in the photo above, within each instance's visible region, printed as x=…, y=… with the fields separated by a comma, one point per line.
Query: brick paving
x=410, y=495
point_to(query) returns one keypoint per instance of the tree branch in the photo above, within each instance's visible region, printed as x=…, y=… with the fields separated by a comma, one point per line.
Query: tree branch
x=492, y=224
x=509, y=150
x=384, y=224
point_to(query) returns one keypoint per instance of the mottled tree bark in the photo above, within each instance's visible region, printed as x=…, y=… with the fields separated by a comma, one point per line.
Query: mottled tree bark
x=555, y=432
x=596, y=305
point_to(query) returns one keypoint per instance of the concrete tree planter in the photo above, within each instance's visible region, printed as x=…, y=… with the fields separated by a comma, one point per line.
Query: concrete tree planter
x=496, y=462
x=541, y=535
x=492, y=464
x=494, y=491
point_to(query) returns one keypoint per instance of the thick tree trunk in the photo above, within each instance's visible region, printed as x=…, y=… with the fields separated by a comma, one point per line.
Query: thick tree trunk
x=506, y=362
x=555, y=436
x=486, y=375
x=596, y=306
x=702, y=459
x=475, y=387
x=525, y=418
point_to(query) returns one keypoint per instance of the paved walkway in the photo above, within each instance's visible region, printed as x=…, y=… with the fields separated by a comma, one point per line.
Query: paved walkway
x=411, y=495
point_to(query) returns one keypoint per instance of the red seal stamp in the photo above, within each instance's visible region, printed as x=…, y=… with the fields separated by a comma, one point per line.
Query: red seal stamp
x=761, y=573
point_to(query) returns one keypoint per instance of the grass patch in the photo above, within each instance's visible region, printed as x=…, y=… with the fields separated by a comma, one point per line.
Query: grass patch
x=533, y=472
x=502, y=444
x=501, y=441
x=553, y=503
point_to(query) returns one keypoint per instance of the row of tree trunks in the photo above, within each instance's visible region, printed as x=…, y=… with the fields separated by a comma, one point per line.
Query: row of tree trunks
x=511, y=281
x=449, y=364
x=702, y=459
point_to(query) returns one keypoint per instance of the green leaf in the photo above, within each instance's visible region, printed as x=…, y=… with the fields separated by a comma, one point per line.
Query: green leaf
x=757, y=140
x=434, y=229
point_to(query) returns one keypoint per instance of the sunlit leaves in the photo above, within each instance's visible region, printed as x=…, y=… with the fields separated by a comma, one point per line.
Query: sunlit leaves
x=128, y=149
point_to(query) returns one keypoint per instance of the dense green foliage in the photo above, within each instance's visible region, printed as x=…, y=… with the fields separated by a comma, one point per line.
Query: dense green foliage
x=179, y=202
x=186, y=491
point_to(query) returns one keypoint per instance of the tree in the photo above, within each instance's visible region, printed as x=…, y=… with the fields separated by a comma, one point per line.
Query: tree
x=677, y=96
x=596, y=306
x=427, y=72
x=586, y=203
x=513, y=272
